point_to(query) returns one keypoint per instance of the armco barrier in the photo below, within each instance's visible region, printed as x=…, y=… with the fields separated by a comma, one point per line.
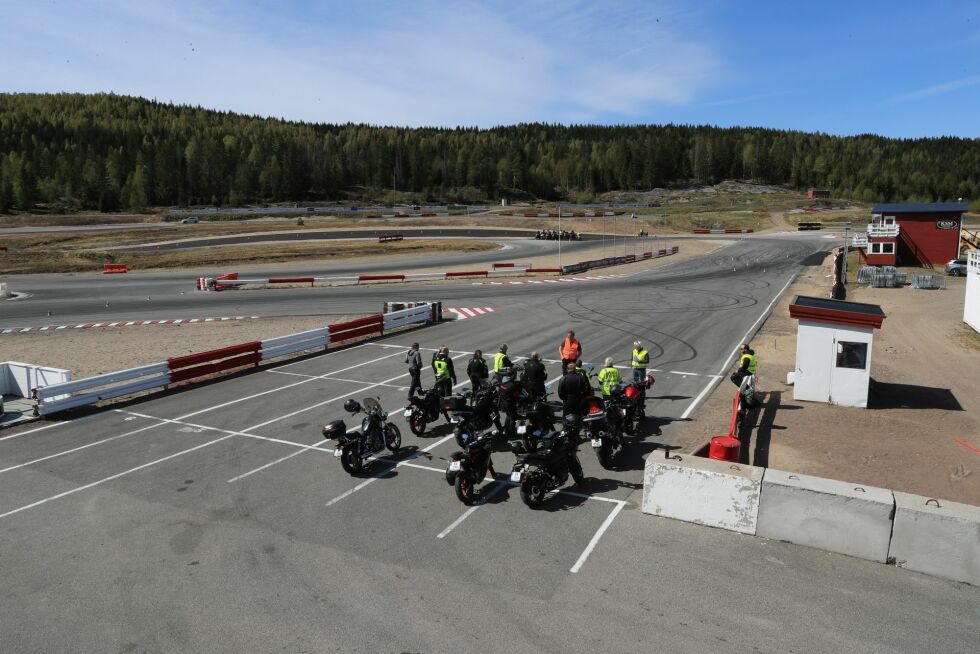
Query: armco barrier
x=409, y=316
x=200, y=364
x=283, y=345
x=703, y=491
x=827, y=514
x=114, y=268
x=355, y=328
x=936, y=537
x=469, y=273
x=390, y=237
x=378, y=278
x=291, y=280
x=58, y=397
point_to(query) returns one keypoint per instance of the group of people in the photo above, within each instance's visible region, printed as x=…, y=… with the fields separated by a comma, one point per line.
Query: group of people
x=556, y=235
x=575, y=384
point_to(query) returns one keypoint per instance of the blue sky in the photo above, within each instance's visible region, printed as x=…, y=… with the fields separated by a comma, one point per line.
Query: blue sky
x=901, y=69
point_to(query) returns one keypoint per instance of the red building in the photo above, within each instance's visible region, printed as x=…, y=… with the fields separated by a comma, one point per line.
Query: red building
x=815, y=193
x=914, y=234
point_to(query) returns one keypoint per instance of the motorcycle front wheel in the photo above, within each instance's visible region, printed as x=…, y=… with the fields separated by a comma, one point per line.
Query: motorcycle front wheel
x=533, y=489
x=465, y=488
x=417, y=423
x=350, y=458
x=394, y=438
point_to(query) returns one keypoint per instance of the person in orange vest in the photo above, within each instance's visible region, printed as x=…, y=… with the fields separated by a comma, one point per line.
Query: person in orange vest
x=570, y=350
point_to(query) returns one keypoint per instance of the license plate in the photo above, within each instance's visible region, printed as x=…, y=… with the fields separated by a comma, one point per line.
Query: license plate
x=515, y=476
x=623, y=411
x=596, y=442
x=454, y=420
x=522, y=429
x=408, y=413
x=454, y=466
x=338, y=453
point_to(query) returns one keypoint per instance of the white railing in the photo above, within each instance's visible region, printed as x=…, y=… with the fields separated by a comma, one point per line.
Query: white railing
x=19, y=378
x=283, y=345
x=882, y=230
x=408, y=316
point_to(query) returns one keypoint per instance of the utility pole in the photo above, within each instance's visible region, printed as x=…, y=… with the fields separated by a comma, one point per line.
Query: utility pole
x=559, y=237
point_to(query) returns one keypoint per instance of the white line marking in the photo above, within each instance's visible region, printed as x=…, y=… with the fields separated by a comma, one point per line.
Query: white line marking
x=115, y=476
x=715, y=378
x=272, y=463
x=31, y=431
x=483, y=500
x=595, y=538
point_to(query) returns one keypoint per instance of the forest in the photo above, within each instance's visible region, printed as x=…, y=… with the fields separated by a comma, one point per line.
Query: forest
x=109, y=152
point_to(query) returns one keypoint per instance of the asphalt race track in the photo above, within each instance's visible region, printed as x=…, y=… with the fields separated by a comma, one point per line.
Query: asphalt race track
x=215, y=518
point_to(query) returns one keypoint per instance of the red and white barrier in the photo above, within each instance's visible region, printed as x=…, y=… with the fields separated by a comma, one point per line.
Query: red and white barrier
x=60, y=397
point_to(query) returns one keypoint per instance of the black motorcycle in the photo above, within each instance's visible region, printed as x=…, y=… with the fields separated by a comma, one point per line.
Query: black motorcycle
x=477, y=412
x=548, y=468
x=375, y=434
x=423, y=408
x=468, y=468
x=534, y=416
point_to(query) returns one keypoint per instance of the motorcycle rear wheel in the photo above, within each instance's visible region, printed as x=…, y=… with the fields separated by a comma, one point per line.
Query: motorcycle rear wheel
x=350, y=458
x=465, y=488
x=394, y=438
x=417, y=423
x=533, y=490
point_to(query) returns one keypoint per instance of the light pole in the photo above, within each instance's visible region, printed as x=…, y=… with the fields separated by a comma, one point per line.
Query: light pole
x=559, y=238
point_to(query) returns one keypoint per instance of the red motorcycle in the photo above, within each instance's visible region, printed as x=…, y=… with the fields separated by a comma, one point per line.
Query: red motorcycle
x=469, y=467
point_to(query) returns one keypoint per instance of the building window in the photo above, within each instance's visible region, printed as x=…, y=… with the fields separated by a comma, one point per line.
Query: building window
x=852, y=355
x=888, y=248
x=889, y=220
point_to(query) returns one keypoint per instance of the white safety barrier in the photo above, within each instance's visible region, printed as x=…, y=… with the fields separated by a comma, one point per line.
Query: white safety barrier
x=283, y=345
x=58, y=397
x=4, y=291
x=827, y=514
x=410, y=316
x=937, y=537
x=703, y=491
x=18, y=378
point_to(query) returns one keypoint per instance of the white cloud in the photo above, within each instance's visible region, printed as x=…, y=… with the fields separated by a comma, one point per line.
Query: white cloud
x=433, y=64
x=938, y=89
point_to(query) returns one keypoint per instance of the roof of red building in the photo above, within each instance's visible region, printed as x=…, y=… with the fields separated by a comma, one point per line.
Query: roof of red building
x=922, y=207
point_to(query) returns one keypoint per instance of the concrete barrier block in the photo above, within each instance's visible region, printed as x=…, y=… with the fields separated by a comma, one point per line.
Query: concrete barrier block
x=707, y=492
x=937, y=537
x=827, y=514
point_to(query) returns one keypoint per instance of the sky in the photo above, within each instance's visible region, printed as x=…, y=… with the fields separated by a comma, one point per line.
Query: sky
x=902, y=69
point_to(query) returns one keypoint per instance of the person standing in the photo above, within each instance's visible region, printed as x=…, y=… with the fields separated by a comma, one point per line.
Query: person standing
x=640, y=362
x=609, y=377
x=477, y=371
x=535, y=375
x=445, y=376
x=570, y=350
x=414, y=360
x=586, y=375
x=571, y=390
x=747, y=368
x=501, y=360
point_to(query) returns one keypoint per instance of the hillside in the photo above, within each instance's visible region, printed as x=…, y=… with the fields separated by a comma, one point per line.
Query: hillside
x=109, y=152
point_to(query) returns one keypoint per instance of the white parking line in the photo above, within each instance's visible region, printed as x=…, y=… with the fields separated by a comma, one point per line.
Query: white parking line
x=31, y=431
x=350, y=381
x=272, y=463
x=595, y=537
x=483, y=500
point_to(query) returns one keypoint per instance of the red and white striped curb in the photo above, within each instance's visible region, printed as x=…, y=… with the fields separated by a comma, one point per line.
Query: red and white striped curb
x=557, y=280
x=462, y=313
x=121, y=323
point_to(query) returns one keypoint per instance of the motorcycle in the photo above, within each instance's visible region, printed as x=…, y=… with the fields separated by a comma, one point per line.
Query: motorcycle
x=477, y=412
x=631, y=400
x=375, y=434
x=423, y=408
x=468, y=468
x=534, y=416
x=549, y=467
x=602, y=422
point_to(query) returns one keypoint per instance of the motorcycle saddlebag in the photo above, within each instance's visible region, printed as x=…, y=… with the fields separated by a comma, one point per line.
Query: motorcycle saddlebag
x=334, y=429
x=453, y=403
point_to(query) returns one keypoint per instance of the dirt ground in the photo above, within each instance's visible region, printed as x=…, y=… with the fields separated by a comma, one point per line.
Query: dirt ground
x=919, y=433
x=88, y=352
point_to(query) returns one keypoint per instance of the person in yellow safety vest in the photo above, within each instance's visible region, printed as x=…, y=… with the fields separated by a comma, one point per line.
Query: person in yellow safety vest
x=443, y=380
x=641, y=359
x=609, y=377
x=747, y=368
x=501, y=360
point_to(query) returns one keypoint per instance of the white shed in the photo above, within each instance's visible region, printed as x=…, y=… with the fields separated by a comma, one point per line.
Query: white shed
x=833, y=349
x=971, y=304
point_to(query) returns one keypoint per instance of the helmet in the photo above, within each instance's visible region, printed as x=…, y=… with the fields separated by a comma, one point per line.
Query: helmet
x=650, y=381
x=352, y=406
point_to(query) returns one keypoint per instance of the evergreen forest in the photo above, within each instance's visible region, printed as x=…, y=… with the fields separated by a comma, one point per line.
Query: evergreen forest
x=108, y=152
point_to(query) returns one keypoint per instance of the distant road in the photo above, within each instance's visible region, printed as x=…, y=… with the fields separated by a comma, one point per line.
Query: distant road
x=120, y=227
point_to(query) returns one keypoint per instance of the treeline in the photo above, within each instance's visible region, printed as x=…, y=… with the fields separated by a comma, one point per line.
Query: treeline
x=111, y=152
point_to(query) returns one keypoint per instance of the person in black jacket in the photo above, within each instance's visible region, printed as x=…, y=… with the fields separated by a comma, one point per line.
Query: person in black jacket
x=535, y=375
x=571, y=390
x=477, y=370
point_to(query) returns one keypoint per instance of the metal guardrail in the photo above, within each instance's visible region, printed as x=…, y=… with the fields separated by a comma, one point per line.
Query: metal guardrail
x=60, y=397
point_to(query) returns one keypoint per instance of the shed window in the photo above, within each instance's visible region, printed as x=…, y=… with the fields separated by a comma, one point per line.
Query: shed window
x=852, y=355
x=888, y=248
